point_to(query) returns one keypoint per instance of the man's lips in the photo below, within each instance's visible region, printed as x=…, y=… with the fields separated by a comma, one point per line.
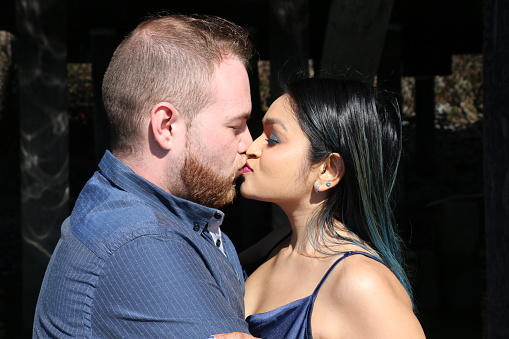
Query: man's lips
x=246, y=169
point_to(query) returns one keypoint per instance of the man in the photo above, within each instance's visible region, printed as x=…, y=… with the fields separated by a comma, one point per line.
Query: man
x=142, y=254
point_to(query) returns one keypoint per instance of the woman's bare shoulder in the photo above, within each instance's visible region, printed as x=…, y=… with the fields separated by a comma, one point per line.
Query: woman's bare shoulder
x=363, y=275
x=369, y=300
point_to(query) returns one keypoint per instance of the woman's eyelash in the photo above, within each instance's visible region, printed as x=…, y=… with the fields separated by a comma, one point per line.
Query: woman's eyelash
x=272, y=139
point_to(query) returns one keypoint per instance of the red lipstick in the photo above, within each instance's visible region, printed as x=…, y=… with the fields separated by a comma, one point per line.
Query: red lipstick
x=246, y=169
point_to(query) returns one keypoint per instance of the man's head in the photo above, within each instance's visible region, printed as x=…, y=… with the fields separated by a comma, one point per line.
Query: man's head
x=217, y=140
x=169, y=58
x=177, y=96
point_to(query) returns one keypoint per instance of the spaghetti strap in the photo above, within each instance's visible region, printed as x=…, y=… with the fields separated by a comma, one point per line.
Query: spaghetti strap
x=346, y=255
x=292, y=320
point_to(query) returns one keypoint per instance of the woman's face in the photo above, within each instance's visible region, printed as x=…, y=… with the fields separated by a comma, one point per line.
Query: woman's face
x=279, y=170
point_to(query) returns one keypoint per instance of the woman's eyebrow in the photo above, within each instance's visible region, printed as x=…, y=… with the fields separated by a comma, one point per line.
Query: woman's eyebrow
x=272, y=121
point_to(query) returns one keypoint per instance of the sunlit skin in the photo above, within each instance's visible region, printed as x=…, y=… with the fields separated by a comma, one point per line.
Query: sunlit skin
x=200, y=161
x=217, y=139
x=219, y=133
x=278, y=161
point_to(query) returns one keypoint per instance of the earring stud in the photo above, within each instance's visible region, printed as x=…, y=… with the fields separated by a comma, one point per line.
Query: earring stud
x=317, y=187
x=328, y=183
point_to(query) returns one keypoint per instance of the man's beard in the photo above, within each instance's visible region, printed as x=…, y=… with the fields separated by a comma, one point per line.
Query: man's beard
x=204, y=186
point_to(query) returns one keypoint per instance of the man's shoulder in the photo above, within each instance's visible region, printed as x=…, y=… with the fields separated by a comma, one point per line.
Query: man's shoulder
x=107, y=217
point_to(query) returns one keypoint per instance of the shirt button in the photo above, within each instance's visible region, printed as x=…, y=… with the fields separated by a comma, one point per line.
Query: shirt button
x=218, y=242
x=196, y=227
x=217, y=215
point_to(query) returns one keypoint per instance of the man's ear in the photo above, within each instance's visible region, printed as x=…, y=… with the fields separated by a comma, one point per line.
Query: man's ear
x=166, y=124
x=332, y=171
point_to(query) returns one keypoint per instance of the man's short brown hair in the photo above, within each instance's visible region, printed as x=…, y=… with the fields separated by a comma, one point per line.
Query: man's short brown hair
x=167, y=58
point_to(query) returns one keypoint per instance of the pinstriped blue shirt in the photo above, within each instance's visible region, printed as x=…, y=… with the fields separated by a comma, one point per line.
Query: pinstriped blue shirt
x=136, y=262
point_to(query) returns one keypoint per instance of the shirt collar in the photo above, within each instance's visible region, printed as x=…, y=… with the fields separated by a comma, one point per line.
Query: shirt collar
x=195, y=215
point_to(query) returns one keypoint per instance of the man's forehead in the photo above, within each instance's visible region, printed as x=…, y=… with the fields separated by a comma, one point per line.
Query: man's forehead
x=241, y=116
x=223, y=116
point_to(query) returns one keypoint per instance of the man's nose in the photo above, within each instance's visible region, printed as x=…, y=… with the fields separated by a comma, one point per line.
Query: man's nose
x=245, y=141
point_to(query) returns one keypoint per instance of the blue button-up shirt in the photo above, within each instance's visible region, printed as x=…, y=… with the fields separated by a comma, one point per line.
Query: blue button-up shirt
x=136, y=262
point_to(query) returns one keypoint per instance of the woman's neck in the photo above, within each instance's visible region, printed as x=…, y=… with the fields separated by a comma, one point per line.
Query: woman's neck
x=299, y=218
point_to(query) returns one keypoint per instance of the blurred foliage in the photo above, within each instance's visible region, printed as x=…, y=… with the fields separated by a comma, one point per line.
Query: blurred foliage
x=264, y=74
x=458, y=99
x=80, y=93
x=6, y=71
x=456, y=166
x=458, y=96
x=9, y=124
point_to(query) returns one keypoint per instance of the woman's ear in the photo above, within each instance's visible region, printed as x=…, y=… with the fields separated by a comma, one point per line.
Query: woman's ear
x=166, y=124
x=332, y=171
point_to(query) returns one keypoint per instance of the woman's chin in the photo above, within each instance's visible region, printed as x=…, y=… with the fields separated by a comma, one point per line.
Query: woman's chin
x=244, y=192
x=248, y=193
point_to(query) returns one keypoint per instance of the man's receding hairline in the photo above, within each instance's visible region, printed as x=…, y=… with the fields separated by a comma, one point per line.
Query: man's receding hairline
x=212, y=85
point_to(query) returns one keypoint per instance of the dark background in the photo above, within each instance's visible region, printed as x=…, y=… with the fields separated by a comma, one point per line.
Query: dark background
x=440, y=207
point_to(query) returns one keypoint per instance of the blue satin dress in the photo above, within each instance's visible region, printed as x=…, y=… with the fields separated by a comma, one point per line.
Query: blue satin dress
x=293, y=320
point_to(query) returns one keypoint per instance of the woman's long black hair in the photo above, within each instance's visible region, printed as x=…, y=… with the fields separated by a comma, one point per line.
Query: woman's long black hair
x=362, y=124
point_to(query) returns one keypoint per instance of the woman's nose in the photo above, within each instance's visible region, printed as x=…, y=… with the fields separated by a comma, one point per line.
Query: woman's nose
x=254, y=150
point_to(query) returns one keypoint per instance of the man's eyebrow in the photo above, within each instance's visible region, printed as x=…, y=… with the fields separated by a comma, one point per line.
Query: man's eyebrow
x=242, y=116
x=272, y=121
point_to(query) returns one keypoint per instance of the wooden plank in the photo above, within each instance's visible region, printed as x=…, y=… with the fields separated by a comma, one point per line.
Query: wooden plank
x=288, y=42
x=103, y=42
x=425, y=123
x=42, y=60
x=496, y=165
x=10, y=235
x=289, y=56
x=354, y=38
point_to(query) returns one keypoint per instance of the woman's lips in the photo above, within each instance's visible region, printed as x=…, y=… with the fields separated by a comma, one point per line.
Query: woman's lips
x=246, y=169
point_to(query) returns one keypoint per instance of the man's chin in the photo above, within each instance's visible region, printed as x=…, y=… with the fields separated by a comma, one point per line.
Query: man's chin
x=222, y=200
x=204, y=186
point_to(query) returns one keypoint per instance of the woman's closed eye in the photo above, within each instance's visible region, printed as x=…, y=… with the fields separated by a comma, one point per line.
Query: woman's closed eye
x=273, y=139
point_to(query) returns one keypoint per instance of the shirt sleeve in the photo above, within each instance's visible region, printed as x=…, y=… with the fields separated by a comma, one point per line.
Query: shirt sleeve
x=160, y=287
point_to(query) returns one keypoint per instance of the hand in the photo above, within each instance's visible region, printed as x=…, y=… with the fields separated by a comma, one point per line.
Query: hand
x=234, y=335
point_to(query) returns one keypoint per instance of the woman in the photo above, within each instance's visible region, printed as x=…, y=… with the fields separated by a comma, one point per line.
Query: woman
x=328, y=157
